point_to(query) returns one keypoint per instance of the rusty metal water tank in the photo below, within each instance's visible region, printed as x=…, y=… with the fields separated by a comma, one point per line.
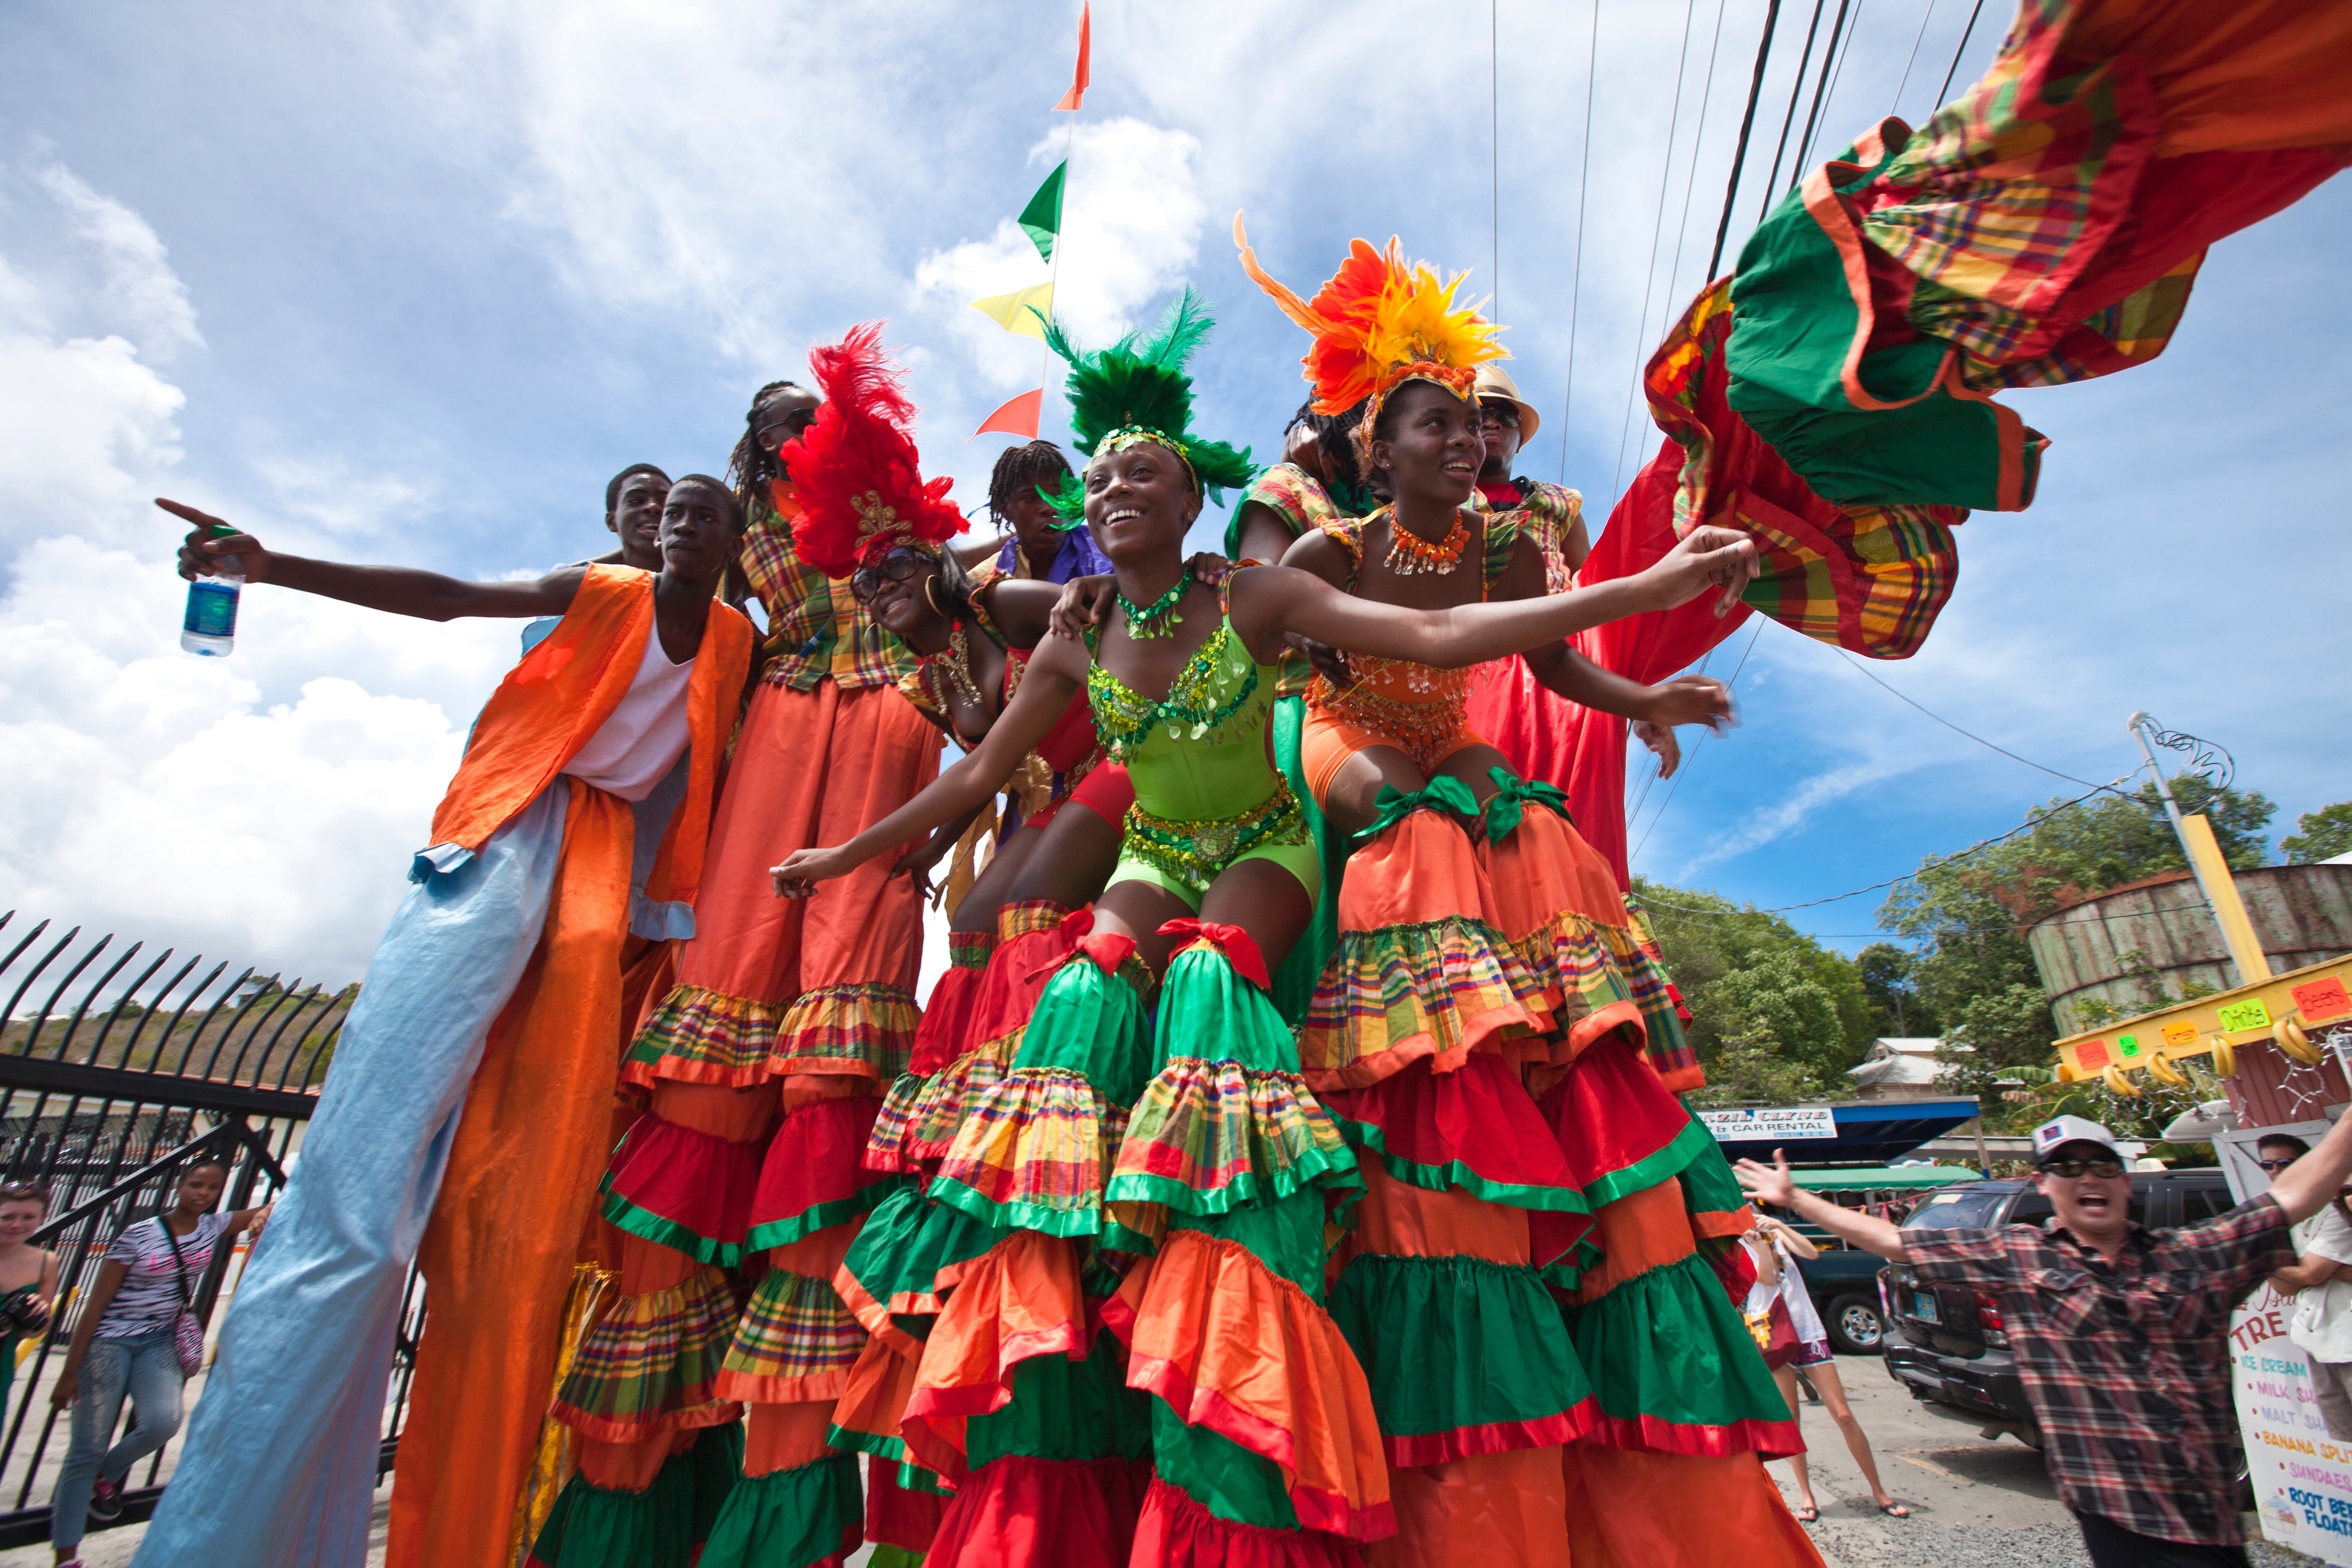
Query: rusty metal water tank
x=2156, y=936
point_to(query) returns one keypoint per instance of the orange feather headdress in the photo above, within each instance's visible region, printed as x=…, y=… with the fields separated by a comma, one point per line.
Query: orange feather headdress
x=859, y=480
x=1378, y=323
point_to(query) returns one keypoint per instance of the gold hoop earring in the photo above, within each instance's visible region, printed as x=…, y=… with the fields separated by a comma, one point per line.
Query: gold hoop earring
x=931, y=595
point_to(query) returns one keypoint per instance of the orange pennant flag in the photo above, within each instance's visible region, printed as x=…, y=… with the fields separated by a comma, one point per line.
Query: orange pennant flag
x=1071, y=98
x=1018, y=417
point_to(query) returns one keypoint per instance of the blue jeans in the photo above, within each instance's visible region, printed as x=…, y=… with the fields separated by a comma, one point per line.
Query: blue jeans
x=147, y=1368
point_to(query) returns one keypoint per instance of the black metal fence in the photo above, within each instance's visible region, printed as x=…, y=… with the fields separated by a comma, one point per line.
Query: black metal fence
x=117, y=1069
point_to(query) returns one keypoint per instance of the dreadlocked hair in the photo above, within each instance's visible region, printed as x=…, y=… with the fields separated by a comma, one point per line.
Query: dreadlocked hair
x=1139, y=383
x=1038, y=463
x=1335, y=438
x=749, y=469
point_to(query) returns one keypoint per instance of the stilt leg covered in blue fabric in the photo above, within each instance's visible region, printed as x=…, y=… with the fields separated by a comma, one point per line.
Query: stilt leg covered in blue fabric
x=279, y=1465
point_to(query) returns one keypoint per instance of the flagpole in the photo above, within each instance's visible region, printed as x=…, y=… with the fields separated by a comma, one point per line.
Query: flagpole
x=1054, y=273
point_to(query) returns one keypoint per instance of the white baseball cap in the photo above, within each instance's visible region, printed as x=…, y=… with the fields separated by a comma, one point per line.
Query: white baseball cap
x=2051, y=1136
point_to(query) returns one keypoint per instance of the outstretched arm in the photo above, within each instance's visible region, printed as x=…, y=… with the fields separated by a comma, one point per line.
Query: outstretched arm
x=1687, y=699
x=1023, y=608
x=1057, y=672
x=1771, y=1185
x=1272, y=602
x=2303, y=1188
x=427, y=596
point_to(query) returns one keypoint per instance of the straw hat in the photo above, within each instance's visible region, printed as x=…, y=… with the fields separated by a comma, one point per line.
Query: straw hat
x=1494, y=382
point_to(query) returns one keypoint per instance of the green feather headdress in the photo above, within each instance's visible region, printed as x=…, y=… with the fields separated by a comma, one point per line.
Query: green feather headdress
x=1135, y=391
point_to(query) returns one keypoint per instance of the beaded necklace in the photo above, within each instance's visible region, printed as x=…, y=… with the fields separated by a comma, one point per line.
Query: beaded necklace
x=1158, y=619
x=956, y=660
x=1410, y=555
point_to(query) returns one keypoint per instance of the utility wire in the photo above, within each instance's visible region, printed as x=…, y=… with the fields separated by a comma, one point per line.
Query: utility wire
x=1576, y=273
x=1747, y=123
x=1944, y=93
x=1495, y=143
x=1657, y=233
x=1979, y=739
x=1925, y=17
x=1684, y=770
x=1796, y=92
x=1690, y=177
x=1976, y=848
x=1821, y=91
x=1838, y=75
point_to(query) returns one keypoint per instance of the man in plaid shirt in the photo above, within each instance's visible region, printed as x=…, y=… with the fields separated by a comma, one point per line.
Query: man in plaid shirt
x=2117, y=1331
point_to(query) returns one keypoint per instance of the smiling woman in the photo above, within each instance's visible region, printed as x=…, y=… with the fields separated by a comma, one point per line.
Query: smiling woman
x=1163, y=1180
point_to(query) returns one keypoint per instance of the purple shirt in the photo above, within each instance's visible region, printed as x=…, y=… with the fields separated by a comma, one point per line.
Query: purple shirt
x=1078, y=557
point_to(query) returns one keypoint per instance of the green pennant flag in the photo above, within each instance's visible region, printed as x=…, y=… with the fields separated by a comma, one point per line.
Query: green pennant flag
x=1041, y=220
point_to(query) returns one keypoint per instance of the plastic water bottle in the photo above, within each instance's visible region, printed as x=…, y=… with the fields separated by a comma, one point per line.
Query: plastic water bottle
x=210, y=625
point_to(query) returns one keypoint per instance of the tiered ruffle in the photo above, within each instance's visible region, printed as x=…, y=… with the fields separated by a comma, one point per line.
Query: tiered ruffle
x=1421, y=969
x=1036, y=1150
x=811, y=1178
x=1228, y=1345
x=866, y=1027
x=796, y=1342
x=789, y=1519
x=686, y=1190
x=1212, y=1135
x=1473, y=1128
x=1464, y=1356
x=652, y=1364
x=701, y=1035
x=600, y=1527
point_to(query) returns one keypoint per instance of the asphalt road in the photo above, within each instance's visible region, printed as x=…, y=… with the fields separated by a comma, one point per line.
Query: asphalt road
x=1976, y=1502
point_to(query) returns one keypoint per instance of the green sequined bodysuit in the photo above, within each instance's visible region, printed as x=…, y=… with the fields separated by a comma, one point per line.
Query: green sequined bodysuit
x=1206, y=796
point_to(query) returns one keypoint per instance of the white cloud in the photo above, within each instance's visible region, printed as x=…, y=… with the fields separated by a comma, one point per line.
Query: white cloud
x=327, y=493
x=139, y=291
x=165, y=795
x=1131, y=234
x=262, y=806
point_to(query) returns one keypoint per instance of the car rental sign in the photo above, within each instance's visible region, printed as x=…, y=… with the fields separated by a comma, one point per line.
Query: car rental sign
x=1752, y=1126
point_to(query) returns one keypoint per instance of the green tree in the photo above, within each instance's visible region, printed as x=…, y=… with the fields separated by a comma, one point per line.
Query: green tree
x=1889, y=980
x=2320, y=834
x=1970, y=913
x=1750, y=1068
x=1756, y=980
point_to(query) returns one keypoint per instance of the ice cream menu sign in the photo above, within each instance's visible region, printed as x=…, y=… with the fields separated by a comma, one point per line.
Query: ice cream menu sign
x=2302, y=1477
x=1749, y=1126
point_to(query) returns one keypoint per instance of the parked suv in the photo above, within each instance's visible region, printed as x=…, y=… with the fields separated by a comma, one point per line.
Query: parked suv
x=1949, y=1344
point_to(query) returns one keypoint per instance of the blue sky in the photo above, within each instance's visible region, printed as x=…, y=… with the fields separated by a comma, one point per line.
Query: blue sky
x=410, y=281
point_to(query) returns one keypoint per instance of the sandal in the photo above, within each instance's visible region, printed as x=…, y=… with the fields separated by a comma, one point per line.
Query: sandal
x=1894, y=1511
x=1808, y=1515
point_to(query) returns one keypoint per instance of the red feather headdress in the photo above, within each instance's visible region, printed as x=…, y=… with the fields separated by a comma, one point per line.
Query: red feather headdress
x=860, y=483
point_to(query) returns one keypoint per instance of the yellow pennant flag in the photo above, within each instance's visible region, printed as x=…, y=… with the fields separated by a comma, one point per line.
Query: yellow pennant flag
x=1020, y=312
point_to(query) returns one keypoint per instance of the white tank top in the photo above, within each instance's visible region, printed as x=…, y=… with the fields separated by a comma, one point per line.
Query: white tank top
x=632, y=750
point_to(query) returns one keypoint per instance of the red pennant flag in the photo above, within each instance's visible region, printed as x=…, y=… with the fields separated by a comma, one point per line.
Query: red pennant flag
x=1018, y=417
x=1070, y=100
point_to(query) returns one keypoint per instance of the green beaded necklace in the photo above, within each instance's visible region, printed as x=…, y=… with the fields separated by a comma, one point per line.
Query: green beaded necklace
x=1158, y=619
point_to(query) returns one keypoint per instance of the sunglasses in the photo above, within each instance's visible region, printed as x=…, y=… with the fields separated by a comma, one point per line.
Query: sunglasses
x=795, y=423
x=1507, y=418
x=2071, y=1168
x=2274, y=1166
x=899, y=565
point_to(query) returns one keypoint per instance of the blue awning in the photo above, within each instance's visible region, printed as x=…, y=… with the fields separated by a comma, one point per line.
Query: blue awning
x=1867, y=1132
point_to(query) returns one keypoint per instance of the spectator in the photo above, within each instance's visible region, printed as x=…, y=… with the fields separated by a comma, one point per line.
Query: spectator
x=2117, y=1331
x=1798, y=1342
x=2321, y=1284
x=28, y=1276
x=126, y=1333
